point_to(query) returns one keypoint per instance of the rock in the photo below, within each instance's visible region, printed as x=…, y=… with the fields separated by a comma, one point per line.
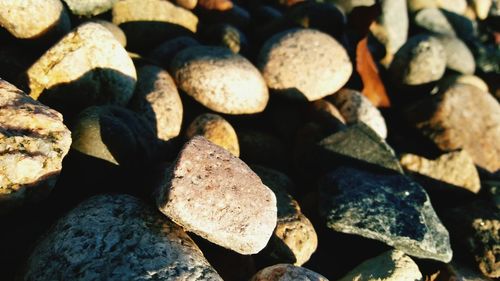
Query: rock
x=458, y=56
x=34, y=18
x=89, y=8
x=220, y=80
x=461, y=271
x=392, y=265
x=455, y=6
x=33, y=143
x=257, y=147
x=487, y=237
x=453, y=79
x=165, y=52
x=421, y=60
x=355, y=107
x=348, y=5
x=117, y=32
x=215, y=129
x=294, y=239
x=482, y=8
x=304, y=64
x=325, y=113
x=117, y=237
x=462, y=117
x=287, y=272
x=187, y=4
x=87, y=67
x=157, y=100
x=212, y=193
x=465, y=28
x=226, y=35
x=455, y=168
x=386, y=207
x=434, y=21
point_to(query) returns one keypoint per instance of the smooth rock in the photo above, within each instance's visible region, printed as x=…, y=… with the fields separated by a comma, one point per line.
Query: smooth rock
x=117, y=237
x=113, y=28
x=165, y=52
x=324, y=112
x=348, y=5
x=304, y=64
x=482, y=8
x=455, y=6
x=391, y=27
x=287, y=272
x=33, y=143
x=212, y=193
x=216, y=129
x=450, y=80
x=392, y=265
x=226, y=35
x=458, y=56
x=220, y=80
x=387, y=207
x=157, y=100
x=435, y=21
x=89, y=8
x=187, y=4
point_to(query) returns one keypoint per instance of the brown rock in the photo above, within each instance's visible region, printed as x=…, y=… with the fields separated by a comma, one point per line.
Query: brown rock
x=287, y=272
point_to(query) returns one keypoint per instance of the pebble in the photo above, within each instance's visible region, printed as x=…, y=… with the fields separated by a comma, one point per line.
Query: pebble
x=348, y=5
x=455, y=6
x=391, y=27
x=117, y=237
x=435, y=21
x=304, y=64
x=287, y=272
x=458, y=56
x=187, y=4
x=89, y=8
x=220, y=80
x=217, y=196
x=226, y=35
x=324, y=112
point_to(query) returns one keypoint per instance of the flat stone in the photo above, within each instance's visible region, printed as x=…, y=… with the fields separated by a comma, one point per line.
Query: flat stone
x=33, y=143
x=89, y=8
x=212, y=193
x=458, y=56
x=287, y=272
x=220, y=80
x=117, y=237
x=389, y=208
x=304, y=64
x=435, y=21
x=391, y=27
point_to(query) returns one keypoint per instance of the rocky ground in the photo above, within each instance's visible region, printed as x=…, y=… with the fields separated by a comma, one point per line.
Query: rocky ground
x=250, y=140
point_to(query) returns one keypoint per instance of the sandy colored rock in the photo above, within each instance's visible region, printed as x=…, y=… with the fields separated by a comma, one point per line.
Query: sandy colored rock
x=33, y=143
x=156, y=98
x=482, y=8
x=115, y=30
x=304, y=64
x=455, y=6
x=392, y=265
x=187, y=4
x=29, y=19
x=458, y=56
x=220, y=80
x=216, y=129
x=287, y=272
x=117, y=237
x=487, y=239
x=214, y=194
x=89, y=8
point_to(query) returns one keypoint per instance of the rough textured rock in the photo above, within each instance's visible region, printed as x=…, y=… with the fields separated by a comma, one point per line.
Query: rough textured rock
x=157, y=100
x=392, y=265
x=89, y=8
x=220, y=80
x=389, y=208
x=435, y=21
x=87, y=67
x=33, y=143
x=420, y=60
x=215, y=129
x=165, y=52
x=462, y=117
x=458, y=56
x=33, y=18
x=287, y=272
x=117, y=237
x=455, y=168
x=487, y=242
x=212, y=193
x=355, y=107
x=113, y=28
x=304, y=64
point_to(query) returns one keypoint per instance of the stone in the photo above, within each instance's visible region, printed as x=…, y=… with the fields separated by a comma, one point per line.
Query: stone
x=348, y=5
x=217, y=196
x=455, y=6
x=355, y=107
x=304, y=64
x=33, y=143
x=287, y=272
x=421, y=60
x=389, y=208
x=462, y=117
x=165, y=52
x=87, y=67
x=455, y=168
x=157, y=100
x=434, y=21
x=458, y=56
x=461, y=271
x=113, y=28
x=324, y=112
x=220, y=80
x=482, y=8
x=117, y=237
x=226, y=35
x=31, y=19
x=294, y=239
x=216, y=129
x=89, y=8
x=392, y=265
x=450, y=80
x=187, y=4
x=487, y=238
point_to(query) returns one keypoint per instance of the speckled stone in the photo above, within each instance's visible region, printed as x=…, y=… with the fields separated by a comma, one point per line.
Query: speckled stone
x=391, y=27
x=117, y=237
x=33, y=143
x=89, y=8
x=304, y=64
x=220, y=80
x=212, y=193
x=435, y=21
x=390, y=208
x=458, y=56
x=287, y=272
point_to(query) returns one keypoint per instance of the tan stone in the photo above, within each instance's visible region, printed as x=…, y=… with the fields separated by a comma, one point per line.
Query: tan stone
x=215, y=129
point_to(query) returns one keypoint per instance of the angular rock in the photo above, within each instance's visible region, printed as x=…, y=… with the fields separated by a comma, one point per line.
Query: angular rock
x=389, y=208
x=87, y=67
x=214, y=194
x=157, y=100
x=220, y=80
x=458, y=56
x=287, y=272
x=435, y=21
x=117, y=237
x=165, y=52
x=304, y=64
x=392, y=265
x=89, y=8
x=33, y=143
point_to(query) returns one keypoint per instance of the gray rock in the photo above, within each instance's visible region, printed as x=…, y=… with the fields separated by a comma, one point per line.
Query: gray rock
x=89, y=8
x=215, y=195
x=287, y=272
x=117, y=237
x=391, y=27
x=220, y=80
x=458, y=56
x=435, y=21
x=387, y=207
x=165, y=52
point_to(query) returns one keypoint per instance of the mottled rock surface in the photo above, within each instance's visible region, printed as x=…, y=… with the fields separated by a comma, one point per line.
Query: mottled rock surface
x=89, y=7
x=287, y=272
